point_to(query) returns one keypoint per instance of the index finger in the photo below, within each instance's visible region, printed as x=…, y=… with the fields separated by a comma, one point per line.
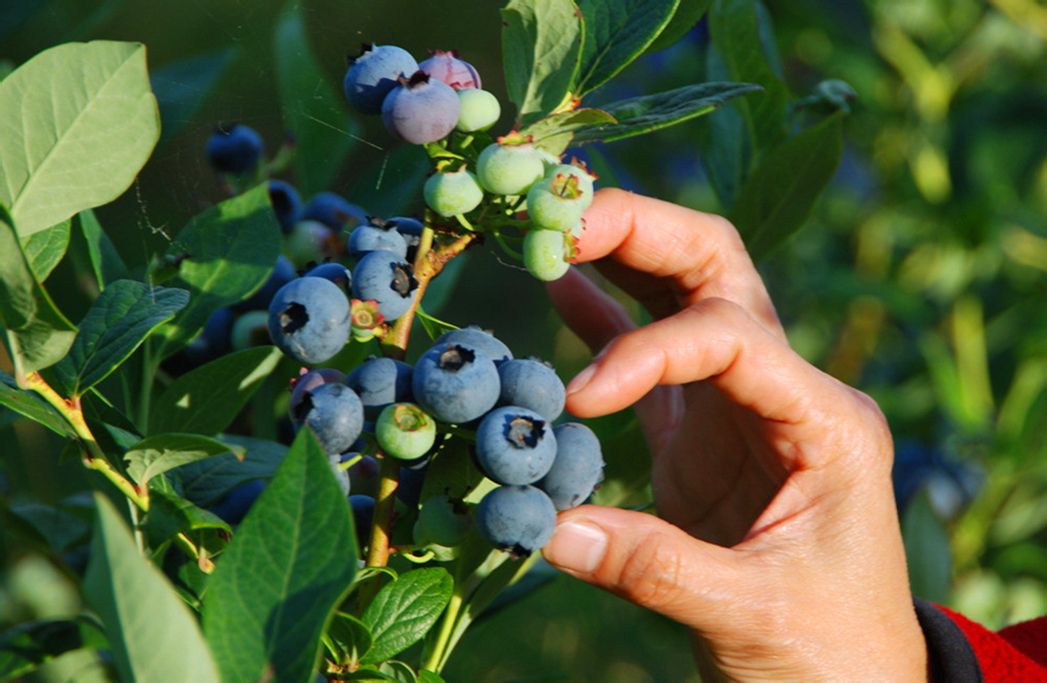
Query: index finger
x=700, y=254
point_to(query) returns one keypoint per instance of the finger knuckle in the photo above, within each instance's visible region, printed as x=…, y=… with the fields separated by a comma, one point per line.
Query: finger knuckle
x=651, y=575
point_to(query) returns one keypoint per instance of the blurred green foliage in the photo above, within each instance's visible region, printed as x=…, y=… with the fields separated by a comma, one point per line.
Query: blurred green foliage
x=920, y=277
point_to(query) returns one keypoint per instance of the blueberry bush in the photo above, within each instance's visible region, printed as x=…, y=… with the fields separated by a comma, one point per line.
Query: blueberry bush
x=278, y=443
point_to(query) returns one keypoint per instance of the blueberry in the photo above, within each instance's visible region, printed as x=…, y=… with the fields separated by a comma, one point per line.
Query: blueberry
x=334, y=414
x=335, y=272
x=363, y=476
x=363, y=514
x=476, y=338
x=411, y=481
x=376, y=235
x=340, y=475
x=387, y=278
x=546, y=254
x=578, y=466
x=234, y=149
x=455, y=383
x=374, y=73
x=520, y=519
x=250, y=329
x=287, y=204
x=478, y=110
x=214, y=340
x=441, y=521
x=577, y=170
x=282, y=273
x=447, y=66
x=309, y=320
x=450, y=193
x=420, y=110
x=411, y=230
x=334, y=211
x=515, y=445
x=309, y=381
x=380, y=382
x=312, y=242
x=235, y=505
x=509, y=169
x=405, y=431
x=557, y=202
x=530, y=383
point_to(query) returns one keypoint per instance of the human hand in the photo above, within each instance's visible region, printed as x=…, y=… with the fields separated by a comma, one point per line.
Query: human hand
x=779, y=543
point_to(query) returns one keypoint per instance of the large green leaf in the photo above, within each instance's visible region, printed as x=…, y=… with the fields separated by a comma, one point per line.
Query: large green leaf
x=779, y=195
x=554, y=133
x=734, y=29
x=35, y=331
x=78, y=122
x=206, y=481
x=646, y=113
x=616, y=33
x=29, y=404
x=225, y=253
x=154, y=455
x=207, y=399
x=404, y=611
x=119, y=320
x=726, y=141
x=541, y=51
x=314, y=112
x=182, y=87
x=687, y=14
x=291, y=560
x=43, y=250
x=105, y=259
x=152, y=634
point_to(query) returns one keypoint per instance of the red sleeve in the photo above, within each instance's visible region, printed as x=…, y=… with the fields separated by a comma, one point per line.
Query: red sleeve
x=1017, y=653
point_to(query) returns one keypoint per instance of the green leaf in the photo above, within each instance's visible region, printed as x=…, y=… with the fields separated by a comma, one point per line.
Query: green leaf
x=105, y=259
x=314, y=112
x=440, y=289
x=554, y=133
x=58, y=528
x=350, y=635
x=687, y=14
x=426, y=676
x=162, y=452
x=647, y=113
x=182, y=87
x=25, y=646
x=43, y=250
x=60, y=155
x=927, y=550
x=170, y=514
x=206, y=481
x=392, y=185
x=616, y=33
x=225, y=253
x=119, y=320
x=290, y=562
x=779, y=195
x=734, y=30
x=541, y=52
x=152, y=634
x=29, y=404
x=36, y=332
x=207, y=399
x=404, y=611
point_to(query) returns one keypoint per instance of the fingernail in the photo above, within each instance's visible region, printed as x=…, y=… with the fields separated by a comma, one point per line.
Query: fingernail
x=577, y=547
x=580, y=380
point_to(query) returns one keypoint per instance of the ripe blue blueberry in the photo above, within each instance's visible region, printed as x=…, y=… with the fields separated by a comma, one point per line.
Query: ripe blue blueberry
x=374, y=73
x=333, y=413
x=519, y=519
x=335, y=272
x=420, y=110
x=282, y=273
x=411, y=230
x=455, y=383
x=578, y=466
x=476, y=338
x=380, y=382
x=363, y=514
x=309, y=381
x=387, y=278
x=215, y=340
x=411, y=481
x=286, y=202
x=234, y=149
x=533, y=384
x=447, y=66
x=235, y=505
x=334, y=211
x=340, y=475
x=376, y=235
x=309, y=320
x=515, y=445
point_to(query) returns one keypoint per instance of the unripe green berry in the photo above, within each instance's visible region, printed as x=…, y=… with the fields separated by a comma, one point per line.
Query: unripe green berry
x=546, y=253
x=405, y=431
x=479, y=110
x=441, y=521
x=250, y=329
x=584, y=179
x=509, y=169
x=556, y=203
x=452, y=193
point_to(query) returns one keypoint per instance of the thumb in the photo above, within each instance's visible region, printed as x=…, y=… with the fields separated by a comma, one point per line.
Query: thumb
x=649, y=562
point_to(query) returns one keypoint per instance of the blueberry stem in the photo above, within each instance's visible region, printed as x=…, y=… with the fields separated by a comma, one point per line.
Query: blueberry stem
x=382, y=522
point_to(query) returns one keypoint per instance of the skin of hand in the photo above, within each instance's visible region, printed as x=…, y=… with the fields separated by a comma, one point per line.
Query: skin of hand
x=777, y=541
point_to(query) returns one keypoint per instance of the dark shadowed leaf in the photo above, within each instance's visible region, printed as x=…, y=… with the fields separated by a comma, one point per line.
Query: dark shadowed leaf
x=27, y=645
x=927, y=550
x=152, y=634
x=170, y=514
x=206, y=481
x=350, y=635
x=29, y=404
x=725, y=139
x=404, y=611
x=157, y=454
x=392, y=183
x=687, y=14
x=182, y=87
x=291, y=560
x=616, y=33
x=43, y=250
x=105, y=259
